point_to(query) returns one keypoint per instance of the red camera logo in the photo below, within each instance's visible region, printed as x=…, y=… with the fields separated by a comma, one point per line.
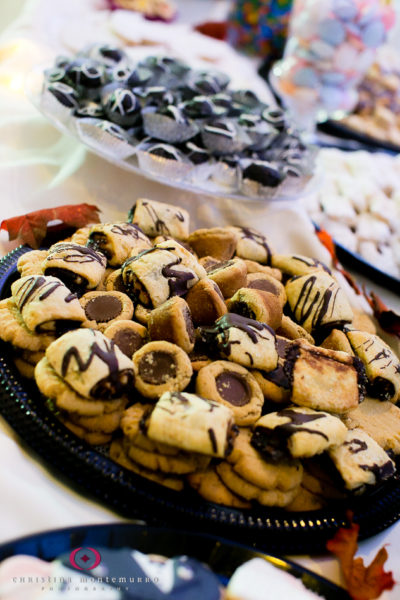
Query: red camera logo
x=85, y=558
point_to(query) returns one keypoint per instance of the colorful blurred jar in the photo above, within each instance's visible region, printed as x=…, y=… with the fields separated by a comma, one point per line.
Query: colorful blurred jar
x=259, y=27
x=330, y=47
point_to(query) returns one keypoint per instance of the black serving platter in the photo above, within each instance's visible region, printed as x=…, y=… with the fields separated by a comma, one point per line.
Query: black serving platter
x=222, y=556
x=93, y=473
x=340, y=130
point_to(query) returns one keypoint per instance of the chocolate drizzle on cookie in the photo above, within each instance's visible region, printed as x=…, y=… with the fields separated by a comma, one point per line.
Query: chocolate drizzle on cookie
x=259, y=239
x=316, y=306
x=274, y=442
x=115, y=384
x=35, y=284
x=75, y=254
x=251, y=327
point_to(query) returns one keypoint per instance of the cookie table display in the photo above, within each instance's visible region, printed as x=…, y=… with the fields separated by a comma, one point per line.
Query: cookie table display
x=361, y=461
x=244, y=341
x=297, y=432
x=79, y=267
x=233, y=386
x=317, y=301
x=324, y=379
x=117, y=241
x=159, y=218
x=192, y=423
x=87, y=377
x=161, y=367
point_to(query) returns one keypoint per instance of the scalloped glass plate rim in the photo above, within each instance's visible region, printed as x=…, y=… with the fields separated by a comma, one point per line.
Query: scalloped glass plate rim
x=287, y=190
x=273, y=529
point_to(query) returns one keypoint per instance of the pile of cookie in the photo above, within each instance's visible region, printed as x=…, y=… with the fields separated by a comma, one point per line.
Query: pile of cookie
x=180, y=123
x=206, y=359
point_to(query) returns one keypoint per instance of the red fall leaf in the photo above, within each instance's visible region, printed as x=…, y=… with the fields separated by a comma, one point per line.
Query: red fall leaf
x=214, y=29
x=31, y=228
x=362, y=583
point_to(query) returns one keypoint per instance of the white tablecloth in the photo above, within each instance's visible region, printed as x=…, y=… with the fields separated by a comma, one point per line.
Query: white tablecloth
x=40, y=168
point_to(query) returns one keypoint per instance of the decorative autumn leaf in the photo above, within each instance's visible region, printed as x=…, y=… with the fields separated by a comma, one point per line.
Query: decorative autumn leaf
x=326, y=239
x=214, y=29
x=387, y=318
x=31, y=228
x=362, y=583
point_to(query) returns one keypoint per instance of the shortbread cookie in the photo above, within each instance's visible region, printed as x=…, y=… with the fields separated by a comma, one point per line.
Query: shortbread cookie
x=211, y=487
x=26, y=361
x=161, y=367
x=361, y=461
x=275, y=384
x=65, y=398
x=381, y=364
x=118, y=241
x=206, y=302
x=114, y=281
x=101, y=286
x=249, y=491
x=324, y=379
x=253, y=245
x=229, y=275
x=297, y=265
x=317, y=301
x=159, y=218
x=155, y=275
x=267, y=283
x=218, y=242
x=118, y=454
x=80, y=236
x=192, y=423
x=172, y=322
x=255, y=267
x=233, y=386
x=30, y=263
x=258, y=305
x=91, y=364
x=181, y=463
x=142, y=314
x=293, y=331
x=14, y=330
x=337, y=340
x=104, y=308
x=297, y=432
x=128, y=335
x=106, y=423
x=381, y=420
x=244, y=341
x=94, y=438
x=247, y=462
x=79, y=267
